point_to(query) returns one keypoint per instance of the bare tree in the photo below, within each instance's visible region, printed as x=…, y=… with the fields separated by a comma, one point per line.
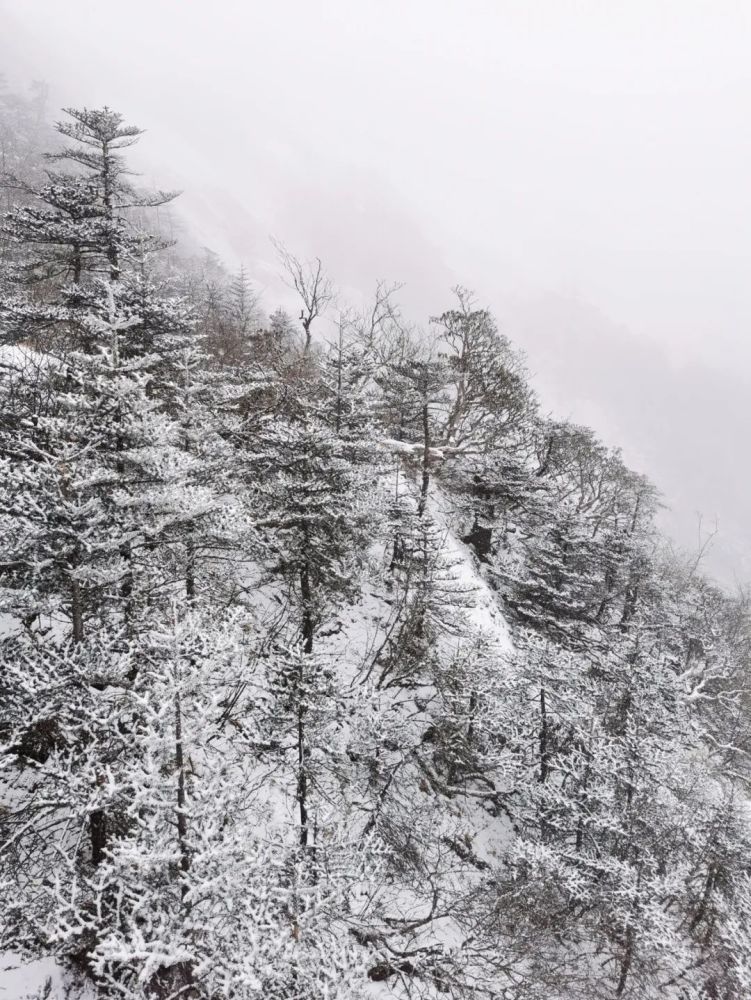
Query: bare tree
x=312, y=284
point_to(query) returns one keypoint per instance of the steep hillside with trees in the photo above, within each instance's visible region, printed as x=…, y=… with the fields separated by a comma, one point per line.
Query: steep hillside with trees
x=334, y=668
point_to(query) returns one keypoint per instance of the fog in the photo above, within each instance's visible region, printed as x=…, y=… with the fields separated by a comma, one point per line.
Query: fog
x=583, y=166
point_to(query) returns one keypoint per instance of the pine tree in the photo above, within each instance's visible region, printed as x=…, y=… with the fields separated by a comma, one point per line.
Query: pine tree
x=94, y=458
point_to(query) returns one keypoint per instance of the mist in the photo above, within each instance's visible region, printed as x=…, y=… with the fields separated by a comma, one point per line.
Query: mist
x=584, y=167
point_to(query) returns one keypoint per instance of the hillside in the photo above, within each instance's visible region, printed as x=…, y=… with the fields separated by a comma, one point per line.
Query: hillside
x=336, y=670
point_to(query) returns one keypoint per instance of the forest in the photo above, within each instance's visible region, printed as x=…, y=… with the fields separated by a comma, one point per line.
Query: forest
x=331, y=666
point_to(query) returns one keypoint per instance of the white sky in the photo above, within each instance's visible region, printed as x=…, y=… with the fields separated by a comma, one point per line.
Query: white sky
x=585, y=166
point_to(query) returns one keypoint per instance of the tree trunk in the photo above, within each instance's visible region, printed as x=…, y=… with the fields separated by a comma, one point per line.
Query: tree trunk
x=112, y=256
x=626, y=961
x=306, y=327
x=190, y=567
x=307, y=609
x=544, y=749
x=76, y=611
x=425, y=484
x=178, y=979
x=307, y=633
x=98, y=835
x=339, y=383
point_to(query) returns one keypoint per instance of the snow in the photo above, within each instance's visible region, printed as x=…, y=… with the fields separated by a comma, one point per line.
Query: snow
x=484, y=613
x=20, y=980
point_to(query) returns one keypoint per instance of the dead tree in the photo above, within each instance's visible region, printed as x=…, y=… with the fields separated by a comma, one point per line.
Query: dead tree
x=311, y=283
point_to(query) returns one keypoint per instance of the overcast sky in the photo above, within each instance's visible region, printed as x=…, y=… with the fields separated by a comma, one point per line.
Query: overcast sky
x=585, y=166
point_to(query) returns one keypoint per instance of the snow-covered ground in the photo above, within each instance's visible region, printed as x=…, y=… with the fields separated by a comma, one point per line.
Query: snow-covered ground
x=19, y=980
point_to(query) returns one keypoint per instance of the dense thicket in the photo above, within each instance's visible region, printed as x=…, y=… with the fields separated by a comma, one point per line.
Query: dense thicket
x=331, y=666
